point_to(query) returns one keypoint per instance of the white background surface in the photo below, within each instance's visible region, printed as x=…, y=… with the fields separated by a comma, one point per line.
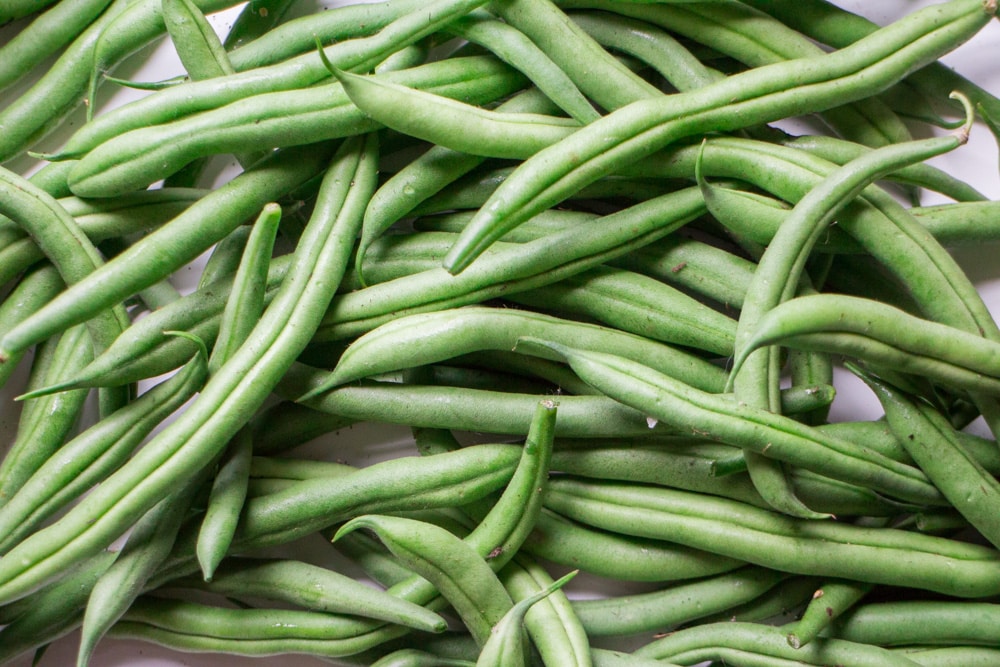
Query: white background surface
x=976, y=163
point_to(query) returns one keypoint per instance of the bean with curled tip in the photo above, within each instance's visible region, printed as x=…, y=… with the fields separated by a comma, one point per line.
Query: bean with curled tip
x=881, y=335
x=763, y=94
x=801, y=546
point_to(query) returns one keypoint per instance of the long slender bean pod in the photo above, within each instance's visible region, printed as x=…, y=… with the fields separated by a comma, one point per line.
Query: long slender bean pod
x=227, y=400
x=763, y=94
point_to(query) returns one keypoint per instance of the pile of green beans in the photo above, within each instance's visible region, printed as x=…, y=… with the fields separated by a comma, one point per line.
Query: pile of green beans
x=499, y=333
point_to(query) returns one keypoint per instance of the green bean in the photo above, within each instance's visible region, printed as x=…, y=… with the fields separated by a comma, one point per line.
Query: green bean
x=286, y=425
x=197, y=45
x=20, y=8
x=922, y=175
x=411, y=657
x=441, y=335
x=657, y=611
x=246, y=301
x=99, y=221
x=432, y=118
x=225, y=500
x=35, y=288
x=682, y=406
x=928, y=438
x=228, y=399
x=147, y=546
x=943, y=622
x=778, y=602
x=45, y=423
x=88, y=458
x=823, y=548
x=650, y=44
x=44, y=36
x=753, y=38
x=517, y=268
x=637, y=304
x=595, y=72
x=453, y=566
x=172, y=246
x=315, y=588
x=763, y=94
x=956, y=656
x=513, y=47
x=881, y=334
x=833, y=599
x=53, y=611
x=507, y=646
x=425, y=176
x=617, y=556
x=302, y=72
x=139, y=157
x=739, y=643
x=464, y=409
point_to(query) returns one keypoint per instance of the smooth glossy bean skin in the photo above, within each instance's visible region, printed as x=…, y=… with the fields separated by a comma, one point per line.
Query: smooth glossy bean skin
x=147, y=546
x=596, y=73
x=225, y=500
x=46, y=35
x=136, y=158
x=36, y=287
x=795, y=545
x=302, y=72
x=548, y=176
